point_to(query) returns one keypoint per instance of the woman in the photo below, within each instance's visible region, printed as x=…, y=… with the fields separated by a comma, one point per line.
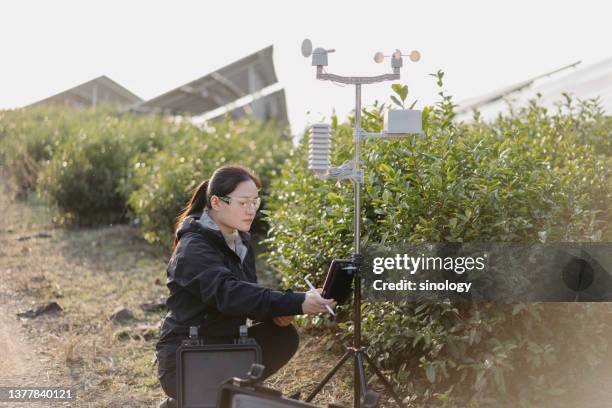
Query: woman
x=212, y=280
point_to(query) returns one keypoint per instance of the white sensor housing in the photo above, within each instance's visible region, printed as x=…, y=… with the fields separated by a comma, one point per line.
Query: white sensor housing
x=319, y=148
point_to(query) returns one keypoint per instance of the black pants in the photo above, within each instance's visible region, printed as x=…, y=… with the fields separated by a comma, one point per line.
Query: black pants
x=278, y=345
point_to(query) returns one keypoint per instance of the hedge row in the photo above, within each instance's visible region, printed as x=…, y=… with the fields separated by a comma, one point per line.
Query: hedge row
x=530, y=175
x=100, y=167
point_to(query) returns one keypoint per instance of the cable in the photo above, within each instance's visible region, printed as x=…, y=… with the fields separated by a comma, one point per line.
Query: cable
x=335, y=83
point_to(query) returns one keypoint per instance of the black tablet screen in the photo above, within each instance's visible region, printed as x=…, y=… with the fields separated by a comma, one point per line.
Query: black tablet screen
x=338, y=281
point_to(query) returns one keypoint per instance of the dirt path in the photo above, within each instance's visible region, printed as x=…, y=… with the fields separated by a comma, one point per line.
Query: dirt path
x=25, y=361
x=17, y=363
x=20, y=364
x=107, y=365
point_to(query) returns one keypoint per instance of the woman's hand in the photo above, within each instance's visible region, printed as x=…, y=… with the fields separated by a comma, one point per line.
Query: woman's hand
x=314, y=303
x=282, y=321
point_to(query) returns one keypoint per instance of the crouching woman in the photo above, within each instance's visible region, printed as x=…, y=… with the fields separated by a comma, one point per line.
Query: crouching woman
x=212, y=279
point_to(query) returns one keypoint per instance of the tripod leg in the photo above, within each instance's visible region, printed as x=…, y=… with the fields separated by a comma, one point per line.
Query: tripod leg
x=362, y=379
x=329, y=375
x=356, y=384
x=382, y=378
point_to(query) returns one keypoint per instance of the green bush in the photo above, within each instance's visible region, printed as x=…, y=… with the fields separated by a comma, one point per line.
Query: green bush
x=168, y=178
x=99, y=166
x=82, y=180
x=88, y=179
x=527, y=176
x=28, y=138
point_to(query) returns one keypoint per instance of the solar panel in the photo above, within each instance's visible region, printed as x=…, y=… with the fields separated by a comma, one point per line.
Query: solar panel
x=101, y=90
x=236, y=80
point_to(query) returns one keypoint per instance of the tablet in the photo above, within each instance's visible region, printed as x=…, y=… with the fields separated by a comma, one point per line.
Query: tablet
x=339, y=281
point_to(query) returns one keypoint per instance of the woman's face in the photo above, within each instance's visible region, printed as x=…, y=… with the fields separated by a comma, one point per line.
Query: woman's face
x=240, y=212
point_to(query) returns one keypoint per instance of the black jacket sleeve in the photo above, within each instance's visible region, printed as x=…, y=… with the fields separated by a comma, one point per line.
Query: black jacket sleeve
x=224, y=290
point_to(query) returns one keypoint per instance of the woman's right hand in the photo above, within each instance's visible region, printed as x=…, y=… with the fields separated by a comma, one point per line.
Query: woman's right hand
x=314, y=303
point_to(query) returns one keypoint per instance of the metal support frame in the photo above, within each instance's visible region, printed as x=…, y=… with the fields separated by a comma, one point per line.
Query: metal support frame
x=355, y=174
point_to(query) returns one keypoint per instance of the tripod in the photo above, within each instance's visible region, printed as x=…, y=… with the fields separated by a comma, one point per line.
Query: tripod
x=357, y=350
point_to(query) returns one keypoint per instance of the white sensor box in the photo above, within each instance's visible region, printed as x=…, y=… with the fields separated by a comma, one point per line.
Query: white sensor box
x=403, y=121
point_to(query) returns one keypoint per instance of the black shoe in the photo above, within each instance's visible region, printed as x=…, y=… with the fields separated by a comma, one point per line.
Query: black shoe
x=168, y=403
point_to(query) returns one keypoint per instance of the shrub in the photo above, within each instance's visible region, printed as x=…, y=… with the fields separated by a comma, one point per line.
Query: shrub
x=526, y=176
x=28, y=138
x=88, y=178
x=82, y=179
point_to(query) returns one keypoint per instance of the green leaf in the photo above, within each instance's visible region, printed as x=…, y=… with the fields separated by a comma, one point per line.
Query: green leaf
x=385, y=168
x=404, y=92
x=397, y=88
x=396, y=101
x=516, y=309
x=334, y=198
x=401, y=91
x=430, y=372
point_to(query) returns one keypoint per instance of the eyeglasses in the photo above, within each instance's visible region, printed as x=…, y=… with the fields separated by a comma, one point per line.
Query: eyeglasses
x=243, y=203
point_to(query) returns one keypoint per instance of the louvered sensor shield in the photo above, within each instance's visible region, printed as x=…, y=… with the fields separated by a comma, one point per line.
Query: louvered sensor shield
x=319, y=148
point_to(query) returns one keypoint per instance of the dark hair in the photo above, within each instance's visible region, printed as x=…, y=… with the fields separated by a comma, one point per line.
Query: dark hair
x=223, y=181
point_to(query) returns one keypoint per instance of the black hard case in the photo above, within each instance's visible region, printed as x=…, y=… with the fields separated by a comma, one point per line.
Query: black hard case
x=233, y=394
x=201, y=368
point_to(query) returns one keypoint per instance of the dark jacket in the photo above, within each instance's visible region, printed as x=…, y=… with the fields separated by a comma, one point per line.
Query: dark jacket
x=211, y=288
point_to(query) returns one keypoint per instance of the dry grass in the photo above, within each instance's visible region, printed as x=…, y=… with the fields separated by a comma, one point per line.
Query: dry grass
x=89, y=272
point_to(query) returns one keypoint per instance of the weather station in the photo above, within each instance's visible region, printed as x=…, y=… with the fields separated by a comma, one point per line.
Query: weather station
x=397, y=123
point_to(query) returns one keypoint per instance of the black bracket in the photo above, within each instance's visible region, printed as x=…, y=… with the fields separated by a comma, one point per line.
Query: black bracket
x=355, y=268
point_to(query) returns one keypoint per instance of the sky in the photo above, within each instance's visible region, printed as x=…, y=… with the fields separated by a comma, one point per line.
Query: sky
x=152, y=46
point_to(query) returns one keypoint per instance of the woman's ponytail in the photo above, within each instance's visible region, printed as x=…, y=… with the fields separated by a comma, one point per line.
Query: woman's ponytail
x=197, y=203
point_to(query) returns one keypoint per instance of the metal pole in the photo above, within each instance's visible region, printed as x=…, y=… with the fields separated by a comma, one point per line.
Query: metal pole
x=359, y=382
x=356, y=233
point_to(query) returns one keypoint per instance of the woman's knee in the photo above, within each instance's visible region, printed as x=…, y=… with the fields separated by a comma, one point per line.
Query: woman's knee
x=168, y=383
x=279, y=341
x=288, y=341
x=166, y=369
x=292, y=338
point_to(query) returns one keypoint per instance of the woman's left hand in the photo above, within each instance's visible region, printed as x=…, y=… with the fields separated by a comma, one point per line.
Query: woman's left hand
x=282, y=321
